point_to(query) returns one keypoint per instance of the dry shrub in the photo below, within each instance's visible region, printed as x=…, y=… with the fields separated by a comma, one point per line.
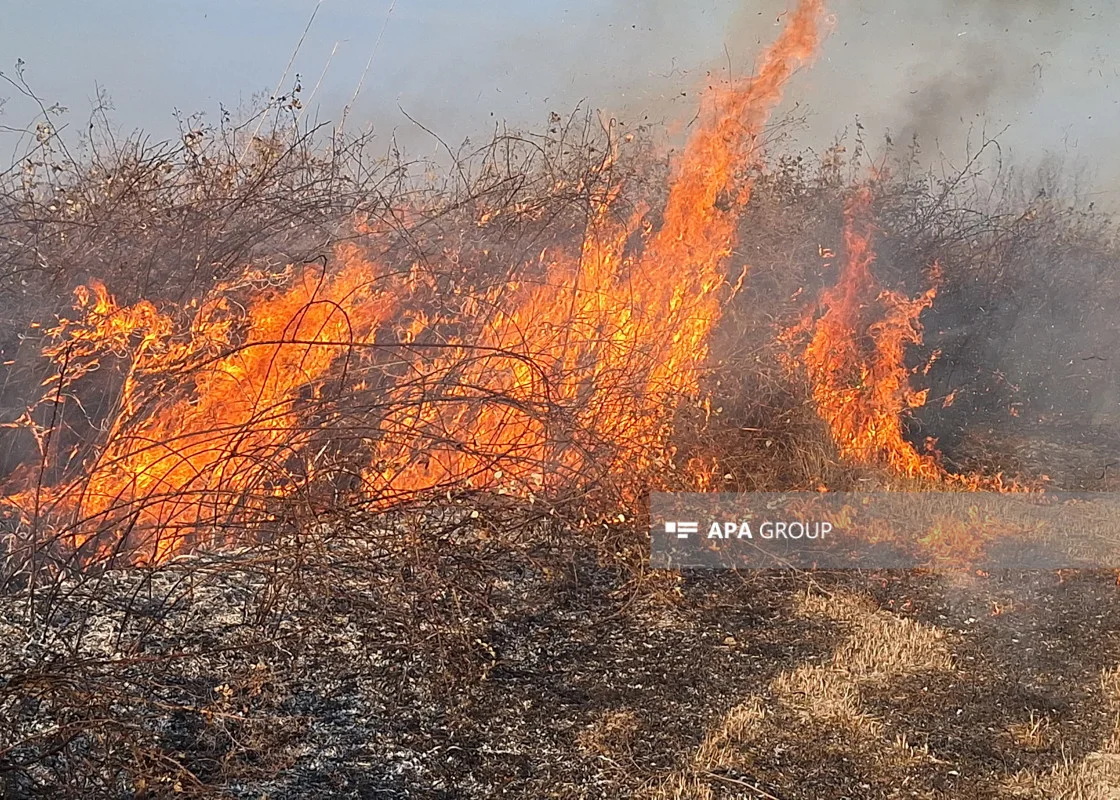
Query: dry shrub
x=117, y=687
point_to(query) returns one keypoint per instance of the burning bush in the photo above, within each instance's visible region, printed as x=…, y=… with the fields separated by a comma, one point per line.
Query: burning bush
x=294, y=355
x=207, y=360
x=374, y=379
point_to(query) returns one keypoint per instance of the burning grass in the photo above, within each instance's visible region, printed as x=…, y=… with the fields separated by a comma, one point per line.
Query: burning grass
x=297, y=388
x=562, y=319
x=245, y=396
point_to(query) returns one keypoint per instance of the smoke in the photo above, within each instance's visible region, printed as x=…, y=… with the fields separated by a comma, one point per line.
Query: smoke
x=1008, y=11
x=993, y=62
x=914, y=68
x=1038, y=74
x=965, y=88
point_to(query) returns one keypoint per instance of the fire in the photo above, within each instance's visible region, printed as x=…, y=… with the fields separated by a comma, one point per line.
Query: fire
x=612, y=338
x=856, y=361
x=856, y=357
x=213, y=422
x=175, y=467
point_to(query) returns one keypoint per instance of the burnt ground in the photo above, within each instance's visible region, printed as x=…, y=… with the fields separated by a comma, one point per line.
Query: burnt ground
x=1075, y=458
x=568, y=679
x=500, y=655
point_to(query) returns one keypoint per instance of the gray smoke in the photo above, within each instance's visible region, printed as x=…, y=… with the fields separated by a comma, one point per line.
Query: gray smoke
x=992, y=62
x=952, y=71
x=934, y=68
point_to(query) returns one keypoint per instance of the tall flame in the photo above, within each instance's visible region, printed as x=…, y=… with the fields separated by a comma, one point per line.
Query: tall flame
x=612, y=337
x=856, y=357
x=603, y=348
x=856, y=361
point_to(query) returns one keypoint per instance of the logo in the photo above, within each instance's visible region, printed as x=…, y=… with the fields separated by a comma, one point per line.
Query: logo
x=682, y=529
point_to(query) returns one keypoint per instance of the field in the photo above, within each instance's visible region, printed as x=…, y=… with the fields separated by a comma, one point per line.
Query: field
x=324, y=473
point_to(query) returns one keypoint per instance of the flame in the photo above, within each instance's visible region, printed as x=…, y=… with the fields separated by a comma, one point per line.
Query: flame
x=612, y=338
x=213, y=422
x=856, y=356
x=198, y=458
x=856, y=361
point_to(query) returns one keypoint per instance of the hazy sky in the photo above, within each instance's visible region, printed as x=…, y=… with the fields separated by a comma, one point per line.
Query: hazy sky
x=1048, y=69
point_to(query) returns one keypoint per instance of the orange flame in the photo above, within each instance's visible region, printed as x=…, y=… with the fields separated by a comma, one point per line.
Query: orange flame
x=856, y=360
x=603, y=348
x=191, y=461
x=856, y=357
x=605, y=314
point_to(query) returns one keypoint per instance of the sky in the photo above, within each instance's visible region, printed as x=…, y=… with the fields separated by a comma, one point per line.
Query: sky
x=942, y=68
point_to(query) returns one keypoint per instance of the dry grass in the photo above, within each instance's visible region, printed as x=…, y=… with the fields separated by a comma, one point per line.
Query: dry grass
x=881, y=645
x=1095, y=777
x=722, y=746
x=1034, y=733
x=814, y=698
x=610, y=735
x=91, y=711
